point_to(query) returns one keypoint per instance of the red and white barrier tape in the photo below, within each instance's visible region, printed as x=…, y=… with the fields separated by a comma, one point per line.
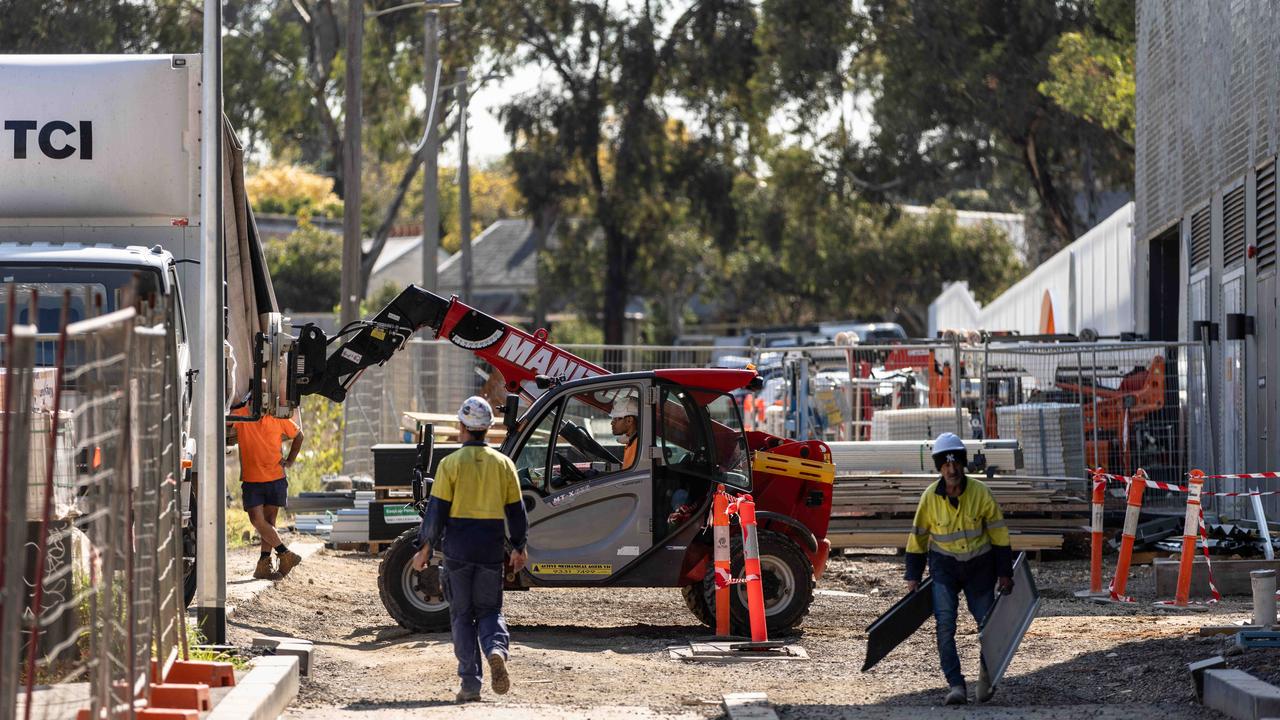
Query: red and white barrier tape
x=1204, y=537
x=1245, y=476
x=1156, y=484
x=724, y=579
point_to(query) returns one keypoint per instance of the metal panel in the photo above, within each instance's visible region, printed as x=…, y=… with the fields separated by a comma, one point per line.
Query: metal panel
x=1231, y=399
x=1004, y=626
x=91, y=160
x=1233, y=234
x=1201, y=239
x=1265, y=213
x=898, y=623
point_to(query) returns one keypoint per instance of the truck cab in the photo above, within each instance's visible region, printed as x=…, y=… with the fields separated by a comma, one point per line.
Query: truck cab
x=101, y=278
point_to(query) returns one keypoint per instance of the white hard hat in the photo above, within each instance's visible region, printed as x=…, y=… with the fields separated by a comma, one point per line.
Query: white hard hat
x=624, y=407
x=475, y=413
x=949, y=447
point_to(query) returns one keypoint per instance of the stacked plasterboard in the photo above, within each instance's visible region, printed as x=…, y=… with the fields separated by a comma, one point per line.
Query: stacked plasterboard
x=352, y=526
x=913, y=456
x=915, y=423
x=1051, y=436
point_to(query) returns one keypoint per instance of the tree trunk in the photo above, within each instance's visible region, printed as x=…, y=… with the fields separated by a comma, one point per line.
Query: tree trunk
x=1058, y=214
x=616, y=286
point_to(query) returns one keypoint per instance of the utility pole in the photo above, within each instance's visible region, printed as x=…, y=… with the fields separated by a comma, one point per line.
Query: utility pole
x=351, y=235
x=464, y=187
x=430, y=168
x=211, y=537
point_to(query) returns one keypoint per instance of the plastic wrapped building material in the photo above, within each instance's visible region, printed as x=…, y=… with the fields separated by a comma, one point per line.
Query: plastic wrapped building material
x=916, y=423
x=1051, y=436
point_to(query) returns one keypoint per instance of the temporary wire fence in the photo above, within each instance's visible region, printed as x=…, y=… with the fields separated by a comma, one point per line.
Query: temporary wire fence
x=95, y=510
x=1070, y=405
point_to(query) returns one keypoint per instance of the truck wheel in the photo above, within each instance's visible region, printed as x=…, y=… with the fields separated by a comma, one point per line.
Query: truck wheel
x=414, y=600
x=787, y=583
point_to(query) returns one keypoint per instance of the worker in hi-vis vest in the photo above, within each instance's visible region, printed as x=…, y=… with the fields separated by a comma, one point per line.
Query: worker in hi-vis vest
x=960, y=532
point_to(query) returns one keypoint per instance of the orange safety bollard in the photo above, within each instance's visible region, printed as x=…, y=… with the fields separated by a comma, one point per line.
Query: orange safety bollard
x=1095, y=542
x=1190, y=532
x=751, y=561
x=1131, y=513
x=723, y=570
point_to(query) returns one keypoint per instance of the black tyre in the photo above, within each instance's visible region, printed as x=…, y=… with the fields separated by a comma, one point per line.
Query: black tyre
x=787, y=583
x=414, y=600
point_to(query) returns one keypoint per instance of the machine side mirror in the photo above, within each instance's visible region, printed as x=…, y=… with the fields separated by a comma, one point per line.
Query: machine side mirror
x=511, y=413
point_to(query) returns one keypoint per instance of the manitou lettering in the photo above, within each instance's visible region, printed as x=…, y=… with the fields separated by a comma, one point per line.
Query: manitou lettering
x=53, y=138
x=545, y=361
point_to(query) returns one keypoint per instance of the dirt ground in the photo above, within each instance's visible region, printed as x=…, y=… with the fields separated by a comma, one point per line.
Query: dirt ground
x=603, y=653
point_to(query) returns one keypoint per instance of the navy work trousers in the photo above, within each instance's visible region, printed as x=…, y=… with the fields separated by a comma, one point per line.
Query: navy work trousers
x=474, y=592
x=977, y=578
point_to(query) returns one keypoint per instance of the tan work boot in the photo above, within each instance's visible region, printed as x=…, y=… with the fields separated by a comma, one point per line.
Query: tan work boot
x=498, y=674
x=263, y=570
x=288, y=561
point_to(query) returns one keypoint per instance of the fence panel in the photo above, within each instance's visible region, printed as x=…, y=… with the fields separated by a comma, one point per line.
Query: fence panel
x=99, y=565
x=17, y=348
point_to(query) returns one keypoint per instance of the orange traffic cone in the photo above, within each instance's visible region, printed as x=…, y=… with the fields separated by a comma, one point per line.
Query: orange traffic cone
x=1131, y=513
x=751, y=561
x=1095, y=544
x=723, y=572
x=1190, y=532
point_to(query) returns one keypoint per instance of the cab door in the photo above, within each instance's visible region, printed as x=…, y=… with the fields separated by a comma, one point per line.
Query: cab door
x=589, y=498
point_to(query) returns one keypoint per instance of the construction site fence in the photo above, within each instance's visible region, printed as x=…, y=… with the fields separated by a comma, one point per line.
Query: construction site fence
x=436, y=376
x=1070, y=405
x=90, y=513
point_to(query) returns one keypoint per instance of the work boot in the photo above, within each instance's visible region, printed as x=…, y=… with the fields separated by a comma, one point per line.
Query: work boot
x=957, y=695
x=984, y=690
x=465, y=696
x=263, y=570
x=288, y=561
x=498, y=673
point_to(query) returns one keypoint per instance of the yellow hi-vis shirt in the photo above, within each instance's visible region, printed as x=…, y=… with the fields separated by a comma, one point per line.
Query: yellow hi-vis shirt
x=963, y=532
x=491, y=483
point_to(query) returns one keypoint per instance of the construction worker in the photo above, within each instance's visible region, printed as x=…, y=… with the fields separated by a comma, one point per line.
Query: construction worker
x=475, y=489
x=264, y=484
x=624, y=422
x=960, y=533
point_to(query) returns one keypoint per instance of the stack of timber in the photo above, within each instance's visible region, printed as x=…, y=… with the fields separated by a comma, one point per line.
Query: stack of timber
x=445, y=427
x=916, y=423
x=875, y=510
x=916, y=456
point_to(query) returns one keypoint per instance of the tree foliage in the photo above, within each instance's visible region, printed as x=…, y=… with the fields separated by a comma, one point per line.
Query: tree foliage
x=1092, y=71
x=958, y=100
x=292, y=190
x=306, y=269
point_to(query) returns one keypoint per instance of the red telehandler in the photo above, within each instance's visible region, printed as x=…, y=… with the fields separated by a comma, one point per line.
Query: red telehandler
x=593, y=521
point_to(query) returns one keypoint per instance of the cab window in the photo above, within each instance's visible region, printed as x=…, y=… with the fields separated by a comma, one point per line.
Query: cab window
x=587, y=435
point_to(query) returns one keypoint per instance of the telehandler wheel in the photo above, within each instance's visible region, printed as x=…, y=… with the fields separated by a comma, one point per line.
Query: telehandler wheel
x=787, y=582
x=414, y=600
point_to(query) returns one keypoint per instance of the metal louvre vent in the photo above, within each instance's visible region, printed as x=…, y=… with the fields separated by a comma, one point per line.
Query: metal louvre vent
x=1233, y=227
x=1266, y=216
x=1201, y=235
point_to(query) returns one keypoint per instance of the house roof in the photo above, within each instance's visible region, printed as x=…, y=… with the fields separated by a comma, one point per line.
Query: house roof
x=398, y=247
x=504, y=256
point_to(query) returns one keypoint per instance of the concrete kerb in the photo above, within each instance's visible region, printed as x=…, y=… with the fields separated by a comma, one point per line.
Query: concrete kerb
x=748, y=706
x=1240, y=695
x=263, y=693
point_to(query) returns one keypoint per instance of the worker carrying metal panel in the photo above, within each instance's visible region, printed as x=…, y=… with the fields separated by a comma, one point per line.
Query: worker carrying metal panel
x=960, y=533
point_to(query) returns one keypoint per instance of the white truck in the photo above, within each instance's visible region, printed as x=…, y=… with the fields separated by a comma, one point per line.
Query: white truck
x=100, y=182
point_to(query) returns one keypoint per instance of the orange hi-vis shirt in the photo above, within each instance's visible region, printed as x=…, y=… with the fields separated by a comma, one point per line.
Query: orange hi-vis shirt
x=259, y=442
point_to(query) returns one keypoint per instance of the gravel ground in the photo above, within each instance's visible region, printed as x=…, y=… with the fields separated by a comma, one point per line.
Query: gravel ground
x=602, y=653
